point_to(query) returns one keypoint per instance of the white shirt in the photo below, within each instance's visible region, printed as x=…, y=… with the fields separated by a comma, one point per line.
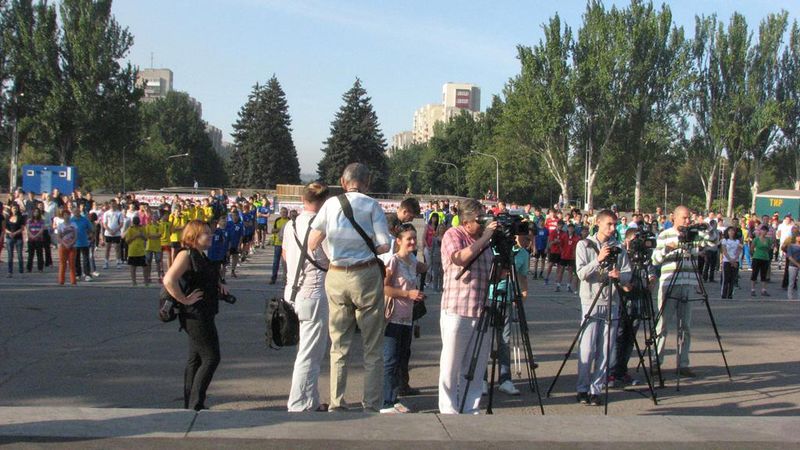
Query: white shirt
x=785, y=231
x=732, y=250
x=346, y=245
x=112, y=222
x=312, y=280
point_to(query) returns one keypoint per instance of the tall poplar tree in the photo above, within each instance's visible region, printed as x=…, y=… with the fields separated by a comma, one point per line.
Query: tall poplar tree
x=355, y=137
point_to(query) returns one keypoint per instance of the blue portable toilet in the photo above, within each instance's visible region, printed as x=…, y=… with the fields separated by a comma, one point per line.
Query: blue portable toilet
x=40, y=179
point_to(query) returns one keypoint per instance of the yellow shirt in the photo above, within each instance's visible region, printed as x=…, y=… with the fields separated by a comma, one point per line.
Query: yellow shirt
x=178, y=222
x=280, y=222
x=135, y=247
x=199, y=214
x=164, y=229
x=153, y=243
x=208, y=211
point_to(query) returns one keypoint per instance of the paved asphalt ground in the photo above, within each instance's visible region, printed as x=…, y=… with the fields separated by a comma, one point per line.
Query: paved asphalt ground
x=96, y=350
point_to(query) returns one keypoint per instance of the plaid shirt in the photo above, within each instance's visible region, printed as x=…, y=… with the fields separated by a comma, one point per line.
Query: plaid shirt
x=464, y=296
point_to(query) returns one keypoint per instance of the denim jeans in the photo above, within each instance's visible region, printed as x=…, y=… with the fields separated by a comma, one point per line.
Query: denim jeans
x=13, y=245
x=396, y=340
x=276, y=262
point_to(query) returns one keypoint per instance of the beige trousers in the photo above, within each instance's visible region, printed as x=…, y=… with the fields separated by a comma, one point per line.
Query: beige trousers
x=356, y=297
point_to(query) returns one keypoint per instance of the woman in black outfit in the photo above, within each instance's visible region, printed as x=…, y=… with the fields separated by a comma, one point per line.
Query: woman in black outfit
x=200, y=305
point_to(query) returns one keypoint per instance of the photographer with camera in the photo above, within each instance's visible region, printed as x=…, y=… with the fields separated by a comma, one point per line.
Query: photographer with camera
x=200, y=306
x=462, y=304
x=676, y=244
x=598, y=258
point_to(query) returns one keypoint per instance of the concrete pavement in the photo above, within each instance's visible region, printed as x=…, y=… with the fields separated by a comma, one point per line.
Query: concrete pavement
x=94, y=356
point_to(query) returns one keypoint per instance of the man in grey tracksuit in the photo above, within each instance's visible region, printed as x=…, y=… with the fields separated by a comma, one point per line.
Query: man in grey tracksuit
x=591, y=256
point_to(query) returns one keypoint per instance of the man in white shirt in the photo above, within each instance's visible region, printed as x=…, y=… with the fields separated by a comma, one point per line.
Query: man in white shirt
x=112, y=231
x=354, y=284
x=783, y=234
x=310, y=302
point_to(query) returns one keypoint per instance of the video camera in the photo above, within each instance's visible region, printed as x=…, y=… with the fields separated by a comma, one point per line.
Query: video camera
x=508, y=227
x=691, y=233
x=643, y=242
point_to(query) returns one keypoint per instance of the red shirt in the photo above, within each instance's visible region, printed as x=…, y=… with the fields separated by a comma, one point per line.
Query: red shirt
x=554, y=239
x=551, y=224
x=568, y=245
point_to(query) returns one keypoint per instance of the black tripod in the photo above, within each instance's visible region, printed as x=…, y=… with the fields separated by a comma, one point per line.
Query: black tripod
x=636, y=310
x=608, y=286
x=683, y=254
x=493, y=314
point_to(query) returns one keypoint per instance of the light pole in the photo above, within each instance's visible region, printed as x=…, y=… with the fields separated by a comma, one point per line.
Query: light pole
x=497, y=173
x=180, y=155
x=12, y=185
x=455, y=167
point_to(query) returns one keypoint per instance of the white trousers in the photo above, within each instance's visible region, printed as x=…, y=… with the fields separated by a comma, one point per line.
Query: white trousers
x=457, y=346
x=793, y=271
x=592, y=356
x=304, y=394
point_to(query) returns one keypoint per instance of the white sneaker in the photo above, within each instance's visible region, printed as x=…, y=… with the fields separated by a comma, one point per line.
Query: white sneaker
x=508, y=388
x=485, y=388
x=87, y=278
x=389, y=410
x=95, y=274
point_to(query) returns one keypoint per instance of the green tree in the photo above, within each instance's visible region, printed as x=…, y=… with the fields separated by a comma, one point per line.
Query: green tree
x=539, y=104
x=599, y=70
x=355, y=137
x=172, y=126
x=655, y=51
x=265, y=154
x=788, y=95
x=763, y=68
x=703, y=100
x=405, y=172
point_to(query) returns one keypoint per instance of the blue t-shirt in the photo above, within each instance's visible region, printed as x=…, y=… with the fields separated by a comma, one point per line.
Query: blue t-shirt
x=667, y=225
x=541, y=238
x=262, y=210
x=235, y=231
x=84, y=229
x=249, y=219
x=219, y=245
x=793, y=251
x=521, y=261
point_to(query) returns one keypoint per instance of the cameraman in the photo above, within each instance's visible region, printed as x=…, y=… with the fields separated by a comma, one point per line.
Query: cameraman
x=667, y=254
x=462, y=304
x=595, y=265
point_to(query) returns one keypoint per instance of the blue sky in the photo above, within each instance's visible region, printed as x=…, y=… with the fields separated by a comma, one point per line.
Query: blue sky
x=403, y=51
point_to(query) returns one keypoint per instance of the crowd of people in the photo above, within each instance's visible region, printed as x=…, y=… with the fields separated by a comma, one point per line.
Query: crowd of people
x=353, y=271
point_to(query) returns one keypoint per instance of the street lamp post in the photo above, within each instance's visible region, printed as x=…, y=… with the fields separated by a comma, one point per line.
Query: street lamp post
x=455, y=167
x=497, y=172
x=12, y=185
x=180, y=155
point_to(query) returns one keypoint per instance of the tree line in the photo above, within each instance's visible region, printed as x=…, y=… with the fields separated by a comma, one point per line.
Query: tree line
x=627, y=107
x=73, y=102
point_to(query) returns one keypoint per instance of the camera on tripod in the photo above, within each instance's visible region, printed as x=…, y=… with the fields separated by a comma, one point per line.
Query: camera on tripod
x=508, y=227
x=641, y=246
x=691, y=233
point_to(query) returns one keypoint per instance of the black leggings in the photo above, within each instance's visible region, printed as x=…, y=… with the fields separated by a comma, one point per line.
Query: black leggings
x=203, y=361
x=729, y=274
x=759, y=266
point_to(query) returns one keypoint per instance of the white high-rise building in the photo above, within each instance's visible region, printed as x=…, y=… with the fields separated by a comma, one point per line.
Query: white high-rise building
x=461, y=96
x=155, y=82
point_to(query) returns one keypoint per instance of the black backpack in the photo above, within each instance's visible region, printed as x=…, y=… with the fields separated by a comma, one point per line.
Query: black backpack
x=283, y=326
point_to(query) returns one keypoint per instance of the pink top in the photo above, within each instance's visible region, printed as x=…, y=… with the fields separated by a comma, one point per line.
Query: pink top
x=404, y=276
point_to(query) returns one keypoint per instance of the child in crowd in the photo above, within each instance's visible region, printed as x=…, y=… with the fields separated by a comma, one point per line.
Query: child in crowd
x=152, y=248
x=400, y=289
x=136, y=240
x=218, y=252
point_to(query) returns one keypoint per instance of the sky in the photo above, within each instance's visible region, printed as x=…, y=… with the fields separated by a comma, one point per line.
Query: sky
x=403, y=51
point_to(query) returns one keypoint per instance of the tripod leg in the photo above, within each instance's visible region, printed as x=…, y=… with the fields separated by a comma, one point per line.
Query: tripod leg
x=607, y=343
x=719, y=340
x=644, y=370
x=494, y=343
x=678, y=342
x=584, y=323
x=476, y=340
x=526, y=342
